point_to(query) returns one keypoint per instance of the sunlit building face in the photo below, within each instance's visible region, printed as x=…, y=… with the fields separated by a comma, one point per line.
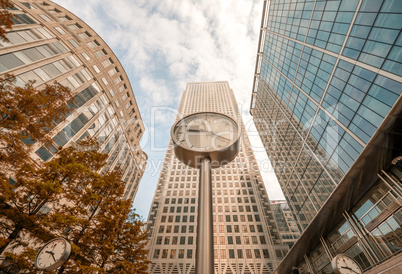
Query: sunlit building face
x=48, y=43
x=245, y=234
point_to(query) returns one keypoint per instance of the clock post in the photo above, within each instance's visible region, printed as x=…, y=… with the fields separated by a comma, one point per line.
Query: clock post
x=205, y=140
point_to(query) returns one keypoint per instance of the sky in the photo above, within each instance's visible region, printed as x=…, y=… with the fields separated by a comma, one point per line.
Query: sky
x=163, y=45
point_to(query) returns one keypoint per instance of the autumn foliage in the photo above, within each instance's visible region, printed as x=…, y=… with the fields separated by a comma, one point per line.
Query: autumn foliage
x=5, y=18
x=68, y=196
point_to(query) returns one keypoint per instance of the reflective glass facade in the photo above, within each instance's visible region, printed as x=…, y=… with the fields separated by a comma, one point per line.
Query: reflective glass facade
x=323, y=88
x=326, y=98
x=48, y=43
x=285, y=222
x=246, y=239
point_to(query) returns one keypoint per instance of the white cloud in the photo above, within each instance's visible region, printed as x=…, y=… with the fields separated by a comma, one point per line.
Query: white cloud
x=166, y=44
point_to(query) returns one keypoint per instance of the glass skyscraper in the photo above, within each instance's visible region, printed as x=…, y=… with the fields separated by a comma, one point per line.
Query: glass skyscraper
x=47, y=43
x=327, y=104
x=246, y=239
x=285, y=222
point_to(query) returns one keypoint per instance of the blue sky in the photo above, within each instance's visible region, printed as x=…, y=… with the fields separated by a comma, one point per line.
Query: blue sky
x=163, y=45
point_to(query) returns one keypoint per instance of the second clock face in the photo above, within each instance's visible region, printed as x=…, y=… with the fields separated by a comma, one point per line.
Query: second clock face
x=343, y=264
x=205, y=132
x=53, y=254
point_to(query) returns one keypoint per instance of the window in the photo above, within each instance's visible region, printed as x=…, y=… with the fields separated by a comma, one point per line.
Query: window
x=107, y=62
x=189, y=253
x=84, y=35
x=223, y=254
x=73, y=43
x=85, y=56
x=113, y=71
x=129, y=104
x=74, y=26
x=95, y=67
x=93, y=44
x=44, y=17
x=156, y=253
x=167, y=240
x=182, y=240
x=60, y=30
x=100, y=53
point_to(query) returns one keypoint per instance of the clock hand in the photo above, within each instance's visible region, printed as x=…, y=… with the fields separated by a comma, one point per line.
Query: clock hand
x=202, y=130
x=53, y=257
x=349, y=269
x=51, y=252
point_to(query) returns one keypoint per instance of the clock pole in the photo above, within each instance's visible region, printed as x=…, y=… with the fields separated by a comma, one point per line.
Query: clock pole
x=204, y=153
x=205, y=244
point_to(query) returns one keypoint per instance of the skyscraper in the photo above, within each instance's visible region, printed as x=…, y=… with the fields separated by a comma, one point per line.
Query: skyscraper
x=246, y=239
x=285, y=222
x=48, y=43
x=327, y=104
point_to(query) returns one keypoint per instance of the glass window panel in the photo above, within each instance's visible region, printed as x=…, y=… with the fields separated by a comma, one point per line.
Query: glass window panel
x=393, y=67
x=15, y=38
x=31, y=76
x=23, y=57
x=33, y=54
x=364, y=18
x=392, y=6
x=10, y=61
x=42, y=74
x=389, y=20
x=51, y=70
x=379, y=49
x=44, y=51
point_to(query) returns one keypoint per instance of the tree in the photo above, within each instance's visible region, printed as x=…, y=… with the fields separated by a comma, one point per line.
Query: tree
x=26, y=117
x=130, y=253
x=95, y=218
x=5, y=18
x=87, y=210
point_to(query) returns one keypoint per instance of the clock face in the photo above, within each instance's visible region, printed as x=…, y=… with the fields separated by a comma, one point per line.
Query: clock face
x=53, y=254
x=206, y=131
x=343, y=264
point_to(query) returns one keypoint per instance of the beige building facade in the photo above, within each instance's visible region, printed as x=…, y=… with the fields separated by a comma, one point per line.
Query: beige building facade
x=246, y=239
x=47, y=43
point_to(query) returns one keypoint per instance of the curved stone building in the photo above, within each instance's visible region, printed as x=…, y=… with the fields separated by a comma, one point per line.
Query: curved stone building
x=48, y=43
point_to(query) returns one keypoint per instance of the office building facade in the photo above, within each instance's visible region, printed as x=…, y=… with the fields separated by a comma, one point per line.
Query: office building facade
x=246, y=239
x=326, y=102
x=285, y=222
x=47, y=43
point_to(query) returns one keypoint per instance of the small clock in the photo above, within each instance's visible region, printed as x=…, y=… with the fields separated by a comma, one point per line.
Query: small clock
x=53, y=254
x=343, y=264
x=206, y=135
